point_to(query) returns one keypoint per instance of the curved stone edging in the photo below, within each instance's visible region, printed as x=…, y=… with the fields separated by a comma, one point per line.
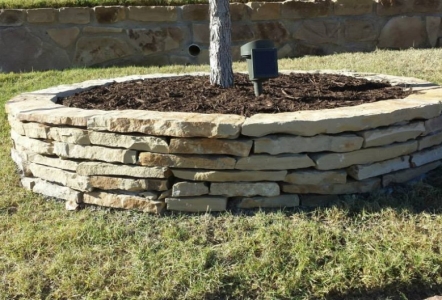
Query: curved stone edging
x=197, y=162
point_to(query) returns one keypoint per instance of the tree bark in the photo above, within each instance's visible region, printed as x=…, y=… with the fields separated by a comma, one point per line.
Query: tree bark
x=221, y=72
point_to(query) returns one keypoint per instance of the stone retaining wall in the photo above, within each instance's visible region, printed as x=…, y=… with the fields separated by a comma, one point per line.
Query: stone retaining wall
x=41, y=39
x=152, y=161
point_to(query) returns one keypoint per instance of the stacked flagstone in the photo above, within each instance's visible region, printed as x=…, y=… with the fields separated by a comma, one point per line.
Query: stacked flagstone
x=151, y=161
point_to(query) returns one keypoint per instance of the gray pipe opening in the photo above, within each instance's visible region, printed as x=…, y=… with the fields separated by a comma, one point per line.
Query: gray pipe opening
x=194, y=50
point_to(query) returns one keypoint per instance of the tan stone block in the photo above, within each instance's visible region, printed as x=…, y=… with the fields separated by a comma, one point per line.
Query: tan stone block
x=65, y=150
x=28, y=183
x=403, y=32
x=433, y=125
x=175, y=124
x=311, y=200
x=99, y=168
x=430, y=140
x=20, y=160
x=124, y=202
x=128, y=184
x=310, y=9
x=41, y=15
x=432, y=25
x=280, y=201
x=352, y=8
x=408, y=174
x=74, y=15
x=222, y=176
x=315, y=177
x=197, y=204
x=93, y=29
x=33, y=145
x=355, y=118
x=195, y=12
x=360, y=31
x=201, y=33
x=57, y=191
x=397, y=7
x=426, y=156
x=238, y=147
x=361, y=172
x=392, y=134
x=276, y=144
x=64, y=36
x=12, y=17
x=330, y=161
x=278, y=162
x=247, y=189
x=58, y=163
x=153, y=13
x=109, y=14
x=351, y=187
x=265, y=10
x=16, y=125
x=89, y=51
x=65, y=178
x=185, y=189
x=136, y=142
x=155, y=40
x=31, y=130
x=239, y=12
x=69, y=135
x=186, y=161
x=318, y=31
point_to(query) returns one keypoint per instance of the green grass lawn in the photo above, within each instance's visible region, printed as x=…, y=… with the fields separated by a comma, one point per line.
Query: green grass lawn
x=382, y=246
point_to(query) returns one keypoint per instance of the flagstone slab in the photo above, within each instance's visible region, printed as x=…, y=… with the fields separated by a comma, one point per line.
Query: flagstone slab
x=185, y=189
x=128, y=184
x=135, y=142
x=361, y=172
x=350, y=187
x=409, y=174
x=233, y=189
x=311, y=176
x=69, y=135
x=392, y=134
x=57, y=191
x=99, y=168
x=229, y=176
x=124, y=202
x=239, y=147
x=277, y=162
x=430, y=140
x=21, y=162
x=197, y=204
x=64, y=164
x=34, y=145
x=426, y=156
x=215, y=162
x=281, y=201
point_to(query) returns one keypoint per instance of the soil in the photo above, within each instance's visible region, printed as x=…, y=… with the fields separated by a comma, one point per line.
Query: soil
x=287, y=93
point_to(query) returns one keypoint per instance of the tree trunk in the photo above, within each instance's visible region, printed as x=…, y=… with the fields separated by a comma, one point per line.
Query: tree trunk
x=221, y=72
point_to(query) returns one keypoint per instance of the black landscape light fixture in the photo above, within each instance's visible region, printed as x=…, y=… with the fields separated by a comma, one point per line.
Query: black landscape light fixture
x=262, y=62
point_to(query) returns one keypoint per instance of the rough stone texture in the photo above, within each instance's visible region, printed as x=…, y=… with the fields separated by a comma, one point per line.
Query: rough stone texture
x=265, y=10
x=98, y=168
x=239, y=12
x=150, y=41
x=64, y=36
x=32, y=52
x=169, y=124
x=124, y=201
x=197, y=204
x=93, y=30
x=426, y=156
x=388, y=7
x=20, y=160
x=109, y=14
x=185, y=189
x=195, y=12
x=330, y=161
x=65, y=178
x=69, y=135
x=318, y=31
x=186, y=161
x=57, y=191
x=63, y=164
x=233, y=189
x=408, y=174
x=229, y=176
x=201, y=33
x=274, y=31
x=315, y=177
x=352, y=7
x=280, y=201
x=430, y=140
x=403, y=32
x=41, y=15
x=432, y=25
x=31, y=130
x=65, y=150
x=317, y=200
x=298, y=9
x=351, y=187
x=128, y=184
x=279, y=162
x=356, y=118
x=238, y=147
x=74, y=15
x=426, y=6
x=28, y=183
x=94, y=50
x=360, y=31
x=135, y=142
x=72, y=205
x=33, y=145
x=361, y=172
x=277, y=144
x=12, y=17
x=392, y=134
x=153, y=13
x=433, y=125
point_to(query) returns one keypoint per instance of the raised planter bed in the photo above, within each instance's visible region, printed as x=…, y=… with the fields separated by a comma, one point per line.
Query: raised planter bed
x=152, y=161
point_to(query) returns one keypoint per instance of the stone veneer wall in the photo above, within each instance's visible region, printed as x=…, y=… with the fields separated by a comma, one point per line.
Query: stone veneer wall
x=150, y=161
x=40, y=39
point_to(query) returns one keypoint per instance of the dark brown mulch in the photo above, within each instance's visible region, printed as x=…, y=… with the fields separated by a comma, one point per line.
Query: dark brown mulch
x=286, y=93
